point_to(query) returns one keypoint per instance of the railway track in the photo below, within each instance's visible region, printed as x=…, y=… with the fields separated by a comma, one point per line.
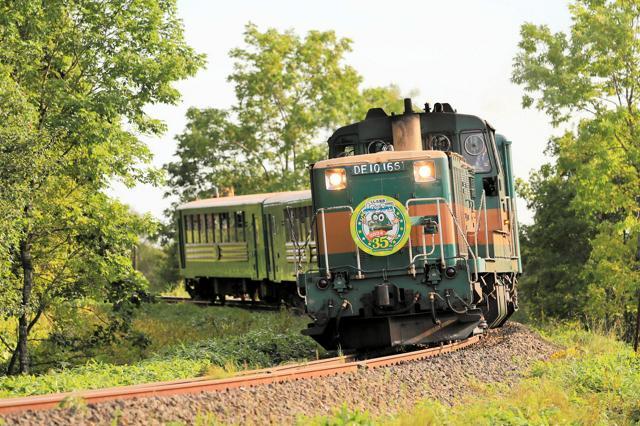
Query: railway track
x=320, y=368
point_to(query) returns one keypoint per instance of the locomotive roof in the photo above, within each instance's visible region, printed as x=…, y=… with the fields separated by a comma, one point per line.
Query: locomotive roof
x=240, y=200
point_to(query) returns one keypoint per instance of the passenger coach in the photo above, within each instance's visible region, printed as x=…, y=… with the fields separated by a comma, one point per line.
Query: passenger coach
x=246, y=246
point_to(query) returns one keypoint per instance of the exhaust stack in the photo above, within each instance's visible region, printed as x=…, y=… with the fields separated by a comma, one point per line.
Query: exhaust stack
x=406, y=130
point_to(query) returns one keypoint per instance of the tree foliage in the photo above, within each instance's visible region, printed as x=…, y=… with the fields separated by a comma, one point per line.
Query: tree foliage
x=289, y=91
x=75, y=78
x=553, y=284
x=590, y=77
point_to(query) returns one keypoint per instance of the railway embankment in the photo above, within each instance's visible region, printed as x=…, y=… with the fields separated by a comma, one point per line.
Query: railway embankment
x=501, y=359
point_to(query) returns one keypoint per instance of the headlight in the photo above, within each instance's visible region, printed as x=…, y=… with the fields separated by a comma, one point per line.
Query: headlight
x=335, y=179
x=424, y=171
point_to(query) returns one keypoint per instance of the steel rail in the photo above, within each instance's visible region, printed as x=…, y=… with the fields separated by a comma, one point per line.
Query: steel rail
x=284, y=373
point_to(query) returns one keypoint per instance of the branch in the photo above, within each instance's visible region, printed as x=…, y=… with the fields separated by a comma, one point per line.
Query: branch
x=4, y=342
x=626, y=150
x=35, y=319
x=250, y=153
x=96, y=314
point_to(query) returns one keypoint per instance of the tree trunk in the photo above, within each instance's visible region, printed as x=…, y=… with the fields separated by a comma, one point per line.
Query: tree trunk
x=23, y=321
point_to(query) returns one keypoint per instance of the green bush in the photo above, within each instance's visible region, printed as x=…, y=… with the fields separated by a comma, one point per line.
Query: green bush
x=185, y=341
x=255, y=349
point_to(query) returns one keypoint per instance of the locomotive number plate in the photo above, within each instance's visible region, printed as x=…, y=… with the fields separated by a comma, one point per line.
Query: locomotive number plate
x=366, y=169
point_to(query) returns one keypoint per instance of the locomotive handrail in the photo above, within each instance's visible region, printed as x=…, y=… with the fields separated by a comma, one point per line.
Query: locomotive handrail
x=483, y=207
x=411, y=259
x=424, y=247
x=455, y=221
x=515, y=228
x=513, y=223
x=321, y=210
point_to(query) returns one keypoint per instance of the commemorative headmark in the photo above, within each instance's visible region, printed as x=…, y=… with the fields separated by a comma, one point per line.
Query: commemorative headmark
x=380, y=225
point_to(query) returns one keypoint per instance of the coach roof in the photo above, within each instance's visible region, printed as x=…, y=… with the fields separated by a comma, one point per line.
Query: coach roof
x=241, y=200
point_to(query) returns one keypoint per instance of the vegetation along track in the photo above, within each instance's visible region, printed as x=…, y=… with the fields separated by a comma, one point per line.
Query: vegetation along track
x=244, y=304
x=325, y=367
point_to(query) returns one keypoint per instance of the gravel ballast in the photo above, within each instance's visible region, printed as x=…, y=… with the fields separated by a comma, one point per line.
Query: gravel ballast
x=501, y=357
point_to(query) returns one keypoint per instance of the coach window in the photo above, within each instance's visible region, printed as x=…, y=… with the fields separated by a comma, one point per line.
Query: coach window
x=289, y=223
x=292, y=224
x=302, y=220
x=209, y=228
x=298, y=223
x=240, y=227
x=188, y=238
x=198, y=229
x=224, y=227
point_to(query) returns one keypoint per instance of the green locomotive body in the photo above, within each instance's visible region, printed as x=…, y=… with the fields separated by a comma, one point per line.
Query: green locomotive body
x=417, y=234
x=247, y=245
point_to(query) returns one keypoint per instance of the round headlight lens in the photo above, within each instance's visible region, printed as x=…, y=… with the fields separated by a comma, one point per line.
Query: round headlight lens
x=335, y=179
x=424, y=171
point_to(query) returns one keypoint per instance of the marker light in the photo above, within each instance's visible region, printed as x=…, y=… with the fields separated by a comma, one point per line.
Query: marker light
x=335, y=179
x=424, y=171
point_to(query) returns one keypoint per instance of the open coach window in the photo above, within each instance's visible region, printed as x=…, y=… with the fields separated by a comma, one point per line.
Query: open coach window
x=475, y=152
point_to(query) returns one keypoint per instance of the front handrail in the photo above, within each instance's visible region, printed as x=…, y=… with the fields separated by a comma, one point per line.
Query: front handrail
x=322, y=210
x=458, y=227
x=411, y=258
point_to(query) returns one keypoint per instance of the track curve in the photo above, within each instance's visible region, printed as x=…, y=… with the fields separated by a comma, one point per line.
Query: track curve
x=324, y=367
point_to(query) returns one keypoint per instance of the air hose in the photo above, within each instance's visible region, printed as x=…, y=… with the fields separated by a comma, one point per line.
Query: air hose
x=447, y=295
x=432, y=300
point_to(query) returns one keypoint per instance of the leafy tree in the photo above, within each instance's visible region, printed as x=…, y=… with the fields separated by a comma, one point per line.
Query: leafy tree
x=159, y=265
x=81, y=73
x=554, y=284
x=290, y=91
x=591, y=76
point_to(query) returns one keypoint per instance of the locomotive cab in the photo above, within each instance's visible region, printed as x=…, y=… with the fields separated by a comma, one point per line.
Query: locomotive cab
x=416, y=237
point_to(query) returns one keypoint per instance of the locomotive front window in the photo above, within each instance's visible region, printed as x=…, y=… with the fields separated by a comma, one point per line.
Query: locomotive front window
x=345, y=150
x=475, y=152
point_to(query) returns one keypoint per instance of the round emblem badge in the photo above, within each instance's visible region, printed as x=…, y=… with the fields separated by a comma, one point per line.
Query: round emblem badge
x=380, y=225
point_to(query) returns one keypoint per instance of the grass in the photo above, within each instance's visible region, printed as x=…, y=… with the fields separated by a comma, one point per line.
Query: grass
x=595, y=380
x=183, y=324
x=186, y=341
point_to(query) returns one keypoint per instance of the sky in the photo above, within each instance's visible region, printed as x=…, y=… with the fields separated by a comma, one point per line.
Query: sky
x=456, y=51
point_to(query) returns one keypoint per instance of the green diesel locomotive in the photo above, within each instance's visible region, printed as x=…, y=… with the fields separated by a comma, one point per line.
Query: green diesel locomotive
x=417, y=231
x=408, y=236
